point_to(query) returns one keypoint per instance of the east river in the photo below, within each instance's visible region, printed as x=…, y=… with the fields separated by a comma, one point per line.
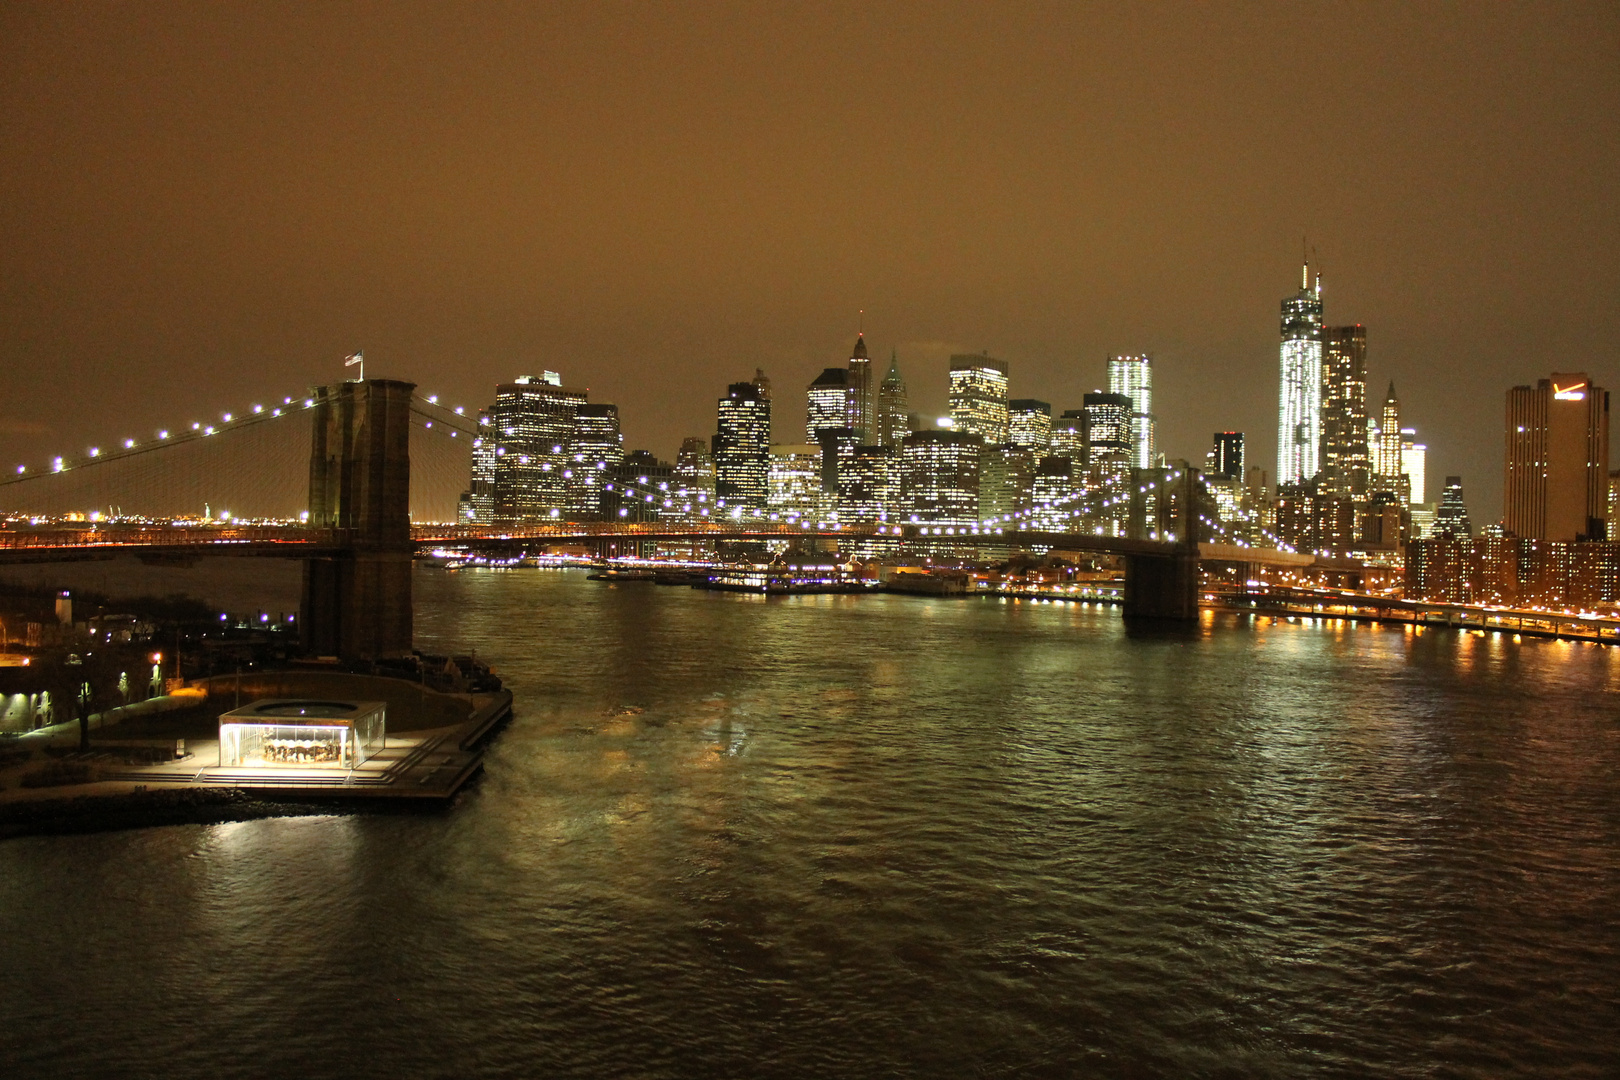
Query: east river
x=884, y=836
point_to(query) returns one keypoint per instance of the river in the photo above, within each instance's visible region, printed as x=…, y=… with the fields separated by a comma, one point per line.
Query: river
x=850, y=836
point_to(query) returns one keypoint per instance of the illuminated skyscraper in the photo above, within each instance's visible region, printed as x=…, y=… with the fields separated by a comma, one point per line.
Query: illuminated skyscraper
x=480, y=500
x=1389, y=470
x=593, y=452
x=862, y=399
x=1414, y=463
x=1006, y=474
x=1299, y=403
x=1226, y=458
x=742, y=445
x=1110, y=442
x=827, y=403
x=1029, y=424
x=978, y=396
x=893, y=417
x=1069, y=436
x=869, y=490
x=1452, y=517
x=795, y=481
x=1132, y=376
x=1346, y=459
x=1557, y=461
x=940, y=477
x=532, y=423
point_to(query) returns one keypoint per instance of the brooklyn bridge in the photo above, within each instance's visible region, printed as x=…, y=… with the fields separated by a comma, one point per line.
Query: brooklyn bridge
x=358, y=478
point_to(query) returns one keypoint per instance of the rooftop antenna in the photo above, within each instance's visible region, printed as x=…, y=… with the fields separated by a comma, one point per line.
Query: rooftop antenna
x=860, y=323
x=1305, y=263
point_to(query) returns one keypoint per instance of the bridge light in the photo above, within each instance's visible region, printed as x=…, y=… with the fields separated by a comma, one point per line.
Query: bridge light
x=208, y=431
x=458, y=410
x=22, y=468
x=129, y=444
x=258, y=408
x=303, y=515
x=275, y=412
x=227, y=417
x=163, y=434
x=57, y=465
x=195, y=426
x=95, y=451
x=433, y=399
x=309, y=403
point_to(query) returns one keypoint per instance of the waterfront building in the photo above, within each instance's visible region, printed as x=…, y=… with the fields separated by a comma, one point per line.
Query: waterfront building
x=1226, y=458
x=826, y=403
x=532, y=423
x=1299, y=406
x=1452, y=517
x=1346, y=458
x=893, y=419
x=640, y=488
x=478, y=505
x=1557, y=459
x=978, y=396
x=742, y=444
x=861, y=399
x=595, y=448
x=1029, y=424
x=939, y=472
x=1006, y=473
x=1132, y=376
x=796, y=482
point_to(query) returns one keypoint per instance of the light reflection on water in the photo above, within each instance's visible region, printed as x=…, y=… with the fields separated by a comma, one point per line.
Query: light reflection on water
x=860, y=836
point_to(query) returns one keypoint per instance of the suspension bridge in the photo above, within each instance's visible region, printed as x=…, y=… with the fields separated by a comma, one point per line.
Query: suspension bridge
x=356, y=478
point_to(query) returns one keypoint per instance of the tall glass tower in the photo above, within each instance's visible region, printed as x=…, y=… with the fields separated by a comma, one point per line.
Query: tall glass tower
x=1133, y=377
x=1299, y=399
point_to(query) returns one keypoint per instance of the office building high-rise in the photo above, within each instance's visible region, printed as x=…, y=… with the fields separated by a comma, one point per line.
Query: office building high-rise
x=869, y=489
x=1346, y=464
x=1029, y=424
x=479, y=503
x=893, y=416
x=1452, y=517
x=861, y=403
x=595, y=448
x=795, y=482
x=1069, y=437
x=827, y=403
x=1299, y=403
x=1388, y=470
x=1557, y=459
x=1110, y=441
x=1132, y=376
x=1414, y=464
x=978, y=396
x=1226, y=459
x=1006, y=473
x=939, y=473
x=742, y=445
x=532, y=423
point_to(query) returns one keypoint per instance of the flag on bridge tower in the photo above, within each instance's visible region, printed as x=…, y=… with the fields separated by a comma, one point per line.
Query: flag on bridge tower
x=356, y=357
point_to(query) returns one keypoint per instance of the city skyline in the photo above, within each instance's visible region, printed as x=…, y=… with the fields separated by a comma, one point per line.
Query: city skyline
x=250, y=218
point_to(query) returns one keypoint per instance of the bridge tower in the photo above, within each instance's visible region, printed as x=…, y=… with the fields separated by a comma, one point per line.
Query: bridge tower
x=1164, y=585
x=357, y=602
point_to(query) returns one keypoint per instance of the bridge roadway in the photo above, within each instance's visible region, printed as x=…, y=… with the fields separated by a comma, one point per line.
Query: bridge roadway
x=59, y=543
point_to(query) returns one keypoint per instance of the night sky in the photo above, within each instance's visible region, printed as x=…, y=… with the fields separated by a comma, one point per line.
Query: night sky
x=206, y=205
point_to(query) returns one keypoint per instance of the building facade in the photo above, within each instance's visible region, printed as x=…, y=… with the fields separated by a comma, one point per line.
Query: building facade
x=893, y=411
x=742, y=446
x=978, y=396
x=826, y=403
x=1029, y=424
x=939, y=474
x=1556, y=468
x=1346, y=459
x=1132, y=376
x=1299, y=403
x=532, y=422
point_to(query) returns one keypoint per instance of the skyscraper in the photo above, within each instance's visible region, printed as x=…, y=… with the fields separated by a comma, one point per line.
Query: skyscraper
x=1227, y=455
x=742, y=445
x=532, y=423
x=1132, y=376
x=1452, y=517
x=827, y=403
x=1299, y=404
x=939, y=473
x=1414, y=463
x=1557, y=460
x=1029, y=424
x=1346, y=460
x=595, y=450
x=1389, y=471
x=893, y=416
x=978, y=396
x=861, y=400
x=1110, y=443
x=480, y=500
